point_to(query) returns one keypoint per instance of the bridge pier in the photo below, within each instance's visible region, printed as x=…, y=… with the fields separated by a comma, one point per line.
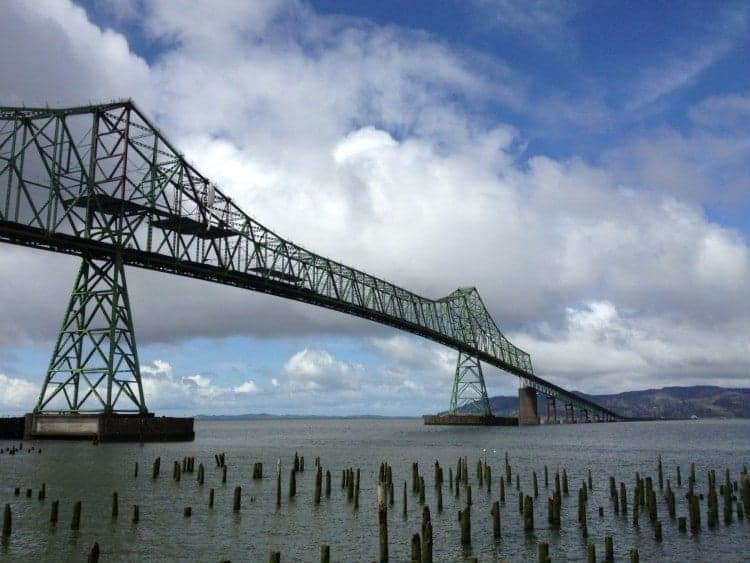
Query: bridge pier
x=551, y=410
x=528, y=414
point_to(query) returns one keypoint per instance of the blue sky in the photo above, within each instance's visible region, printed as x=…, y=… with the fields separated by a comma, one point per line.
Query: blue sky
x=584, y=164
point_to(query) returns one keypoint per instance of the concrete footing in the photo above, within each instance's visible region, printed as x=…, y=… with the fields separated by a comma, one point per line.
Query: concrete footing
x=527, y=406
x=108, y=428
x=468, y=420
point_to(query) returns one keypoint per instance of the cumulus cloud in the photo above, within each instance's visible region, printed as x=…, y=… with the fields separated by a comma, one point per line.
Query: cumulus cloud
x=369, y=144
x=17, y=393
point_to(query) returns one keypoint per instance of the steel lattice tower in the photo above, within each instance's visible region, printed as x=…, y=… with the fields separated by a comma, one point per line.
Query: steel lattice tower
x=95, y=359
x=469, y=389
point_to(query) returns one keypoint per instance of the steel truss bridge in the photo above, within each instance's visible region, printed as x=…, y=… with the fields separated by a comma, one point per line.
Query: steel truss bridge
x=102, y=182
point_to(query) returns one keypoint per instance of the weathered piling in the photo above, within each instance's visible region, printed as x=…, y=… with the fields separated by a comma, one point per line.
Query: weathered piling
x=543, y=552
x=682, y=524
x=660, y=474
x=135, y=470
x=187, y=512
x=546, y=478
x=75, y=523
x=318, y=485
x=488, y=478
x=156, y=467
x=356, y=491
x=416, y=549
x=536, y=485
x=657, y=530
x=278, y=483
x=237, y=501
x=292, y=483
x=414, y=477
x=54, y=511
x=623, y=499
x=480, y=474
x=258, y=470
x=211, y=498
x=93, y=556
x=679, y=477
x=223, y=473
x=439, y=492
x=350, y=485
x=520, y=502
x=421, y=490
x=136, y=514
x=328, y=485
x=382, y=522
x=450, y=478
x=468, y=495
x=634, y=555
x=274, y=557
x=590, y=482
x=325, y=553
x=591, y=553
x=502, y=491
x=7, y=521
x=201, y=474
x=464, y=519
x=404, y=513
x=695, y=514
x=528, y=514
x=609, y=551
x=426, y=535
x=565, y=483
x=115, y=505
x=518, y=482
x=495, y=513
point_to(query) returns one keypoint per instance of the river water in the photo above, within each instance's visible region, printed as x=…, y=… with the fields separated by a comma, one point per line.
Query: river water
x=81, y=471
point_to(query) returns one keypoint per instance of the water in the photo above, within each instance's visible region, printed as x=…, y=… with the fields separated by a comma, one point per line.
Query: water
x=80, y=471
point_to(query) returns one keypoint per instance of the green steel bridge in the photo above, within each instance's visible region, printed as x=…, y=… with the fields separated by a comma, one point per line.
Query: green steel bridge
x=102, y=182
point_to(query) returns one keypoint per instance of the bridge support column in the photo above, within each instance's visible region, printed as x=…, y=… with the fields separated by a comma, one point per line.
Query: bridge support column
x=527, y=406
x=94, y=366
x=551, y=410
x=469, y=391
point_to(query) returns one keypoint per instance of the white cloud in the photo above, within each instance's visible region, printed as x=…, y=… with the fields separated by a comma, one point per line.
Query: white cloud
x=17, y=393
x=247, y=387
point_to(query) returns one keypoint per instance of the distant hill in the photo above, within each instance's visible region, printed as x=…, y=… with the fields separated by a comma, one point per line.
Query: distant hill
x=703, y=401
x=266, y=416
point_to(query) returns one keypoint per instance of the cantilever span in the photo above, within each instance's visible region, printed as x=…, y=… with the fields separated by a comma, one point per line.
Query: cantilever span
x=103, y=183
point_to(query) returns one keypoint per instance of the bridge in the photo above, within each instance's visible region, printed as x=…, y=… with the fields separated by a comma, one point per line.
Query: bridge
x=103, y=183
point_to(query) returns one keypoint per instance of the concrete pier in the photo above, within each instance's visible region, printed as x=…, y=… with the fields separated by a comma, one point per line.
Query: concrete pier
x=527, y=406
x=468, y=420
x=108, y=428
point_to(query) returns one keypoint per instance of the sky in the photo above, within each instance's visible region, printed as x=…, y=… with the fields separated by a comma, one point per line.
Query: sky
x=585, y=165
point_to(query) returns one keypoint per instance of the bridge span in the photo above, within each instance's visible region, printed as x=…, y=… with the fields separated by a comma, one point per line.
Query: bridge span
x=103, y=183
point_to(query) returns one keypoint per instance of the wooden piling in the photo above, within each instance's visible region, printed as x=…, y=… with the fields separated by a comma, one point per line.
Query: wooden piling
x=75, y=524
x=325, y=553
x=682, y=524
x=93, y=556
x=528, y=514
x=464, y=518
x=201, y=474
x=54, y=511
x=495, y=513
x=502, y=491
x=237, y=503
x=292, y=483
x=426, y=535
x=223, y=473
x=609, y=551
x=439, y=491
x=318, y=485
x=536, y=486
x=405, y=498
x=211, y=498
x=660, y=474
x=679, y=477
x=328, y=485
x=187, y=512
x=546, y=478
x=356, y=492
x=657, y=531
x=591, y=483
x=416, y=549
x=136, y=514
x=543, y=552
x=591, y=553
x=274, y=557
x=115, y=506
x=565, y=483
x=623, y=499
x=382, y=522
x=7, y=522
x=156, y=467
x=468, y=495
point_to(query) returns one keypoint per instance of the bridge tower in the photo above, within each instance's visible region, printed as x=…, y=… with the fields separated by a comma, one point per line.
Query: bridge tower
x=94, y=366
x=469, y=389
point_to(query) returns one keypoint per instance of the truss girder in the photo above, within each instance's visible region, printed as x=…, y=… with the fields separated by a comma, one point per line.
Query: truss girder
x=103, y=177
